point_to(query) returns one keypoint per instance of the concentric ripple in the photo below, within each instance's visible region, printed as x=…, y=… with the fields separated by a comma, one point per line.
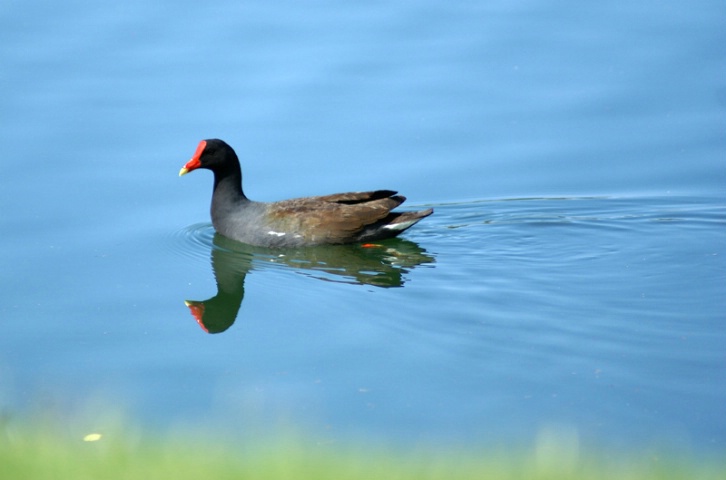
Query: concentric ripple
x=194, y=241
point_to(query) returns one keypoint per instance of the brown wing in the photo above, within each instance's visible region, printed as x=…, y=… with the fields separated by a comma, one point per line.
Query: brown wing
x=334, y=218
x=350, y=198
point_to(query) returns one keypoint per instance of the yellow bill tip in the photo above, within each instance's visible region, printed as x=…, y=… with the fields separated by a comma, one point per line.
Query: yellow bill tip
x=183, y=171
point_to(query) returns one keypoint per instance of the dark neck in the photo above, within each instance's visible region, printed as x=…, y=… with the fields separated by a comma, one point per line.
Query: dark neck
x=228, y=182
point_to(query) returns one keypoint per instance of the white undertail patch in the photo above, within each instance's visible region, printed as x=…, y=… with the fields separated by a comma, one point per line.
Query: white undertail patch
x=400, y=226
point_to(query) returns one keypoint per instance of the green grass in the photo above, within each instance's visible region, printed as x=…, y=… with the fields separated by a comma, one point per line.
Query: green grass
x=46, y=449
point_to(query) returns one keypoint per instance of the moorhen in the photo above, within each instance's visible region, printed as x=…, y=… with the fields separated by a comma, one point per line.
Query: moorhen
x=329, y=219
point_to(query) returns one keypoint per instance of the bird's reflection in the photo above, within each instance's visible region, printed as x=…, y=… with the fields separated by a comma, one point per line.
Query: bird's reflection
x=381, y=264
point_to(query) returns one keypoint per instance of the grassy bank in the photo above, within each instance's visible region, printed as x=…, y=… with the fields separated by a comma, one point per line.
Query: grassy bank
x=49, y=450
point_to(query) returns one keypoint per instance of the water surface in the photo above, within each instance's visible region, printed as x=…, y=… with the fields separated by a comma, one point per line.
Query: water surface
x=573, y=273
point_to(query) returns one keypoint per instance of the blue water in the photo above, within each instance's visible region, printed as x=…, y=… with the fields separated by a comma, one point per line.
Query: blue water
x=573, y=273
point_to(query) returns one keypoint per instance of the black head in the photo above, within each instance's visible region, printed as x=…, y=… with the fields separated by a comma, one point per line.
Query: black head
x=212, y=154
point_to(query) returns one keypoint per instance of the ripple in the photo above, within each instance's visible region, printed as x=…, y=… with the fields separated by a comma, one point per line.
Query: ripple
x=194, y=241
x=604, y=212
